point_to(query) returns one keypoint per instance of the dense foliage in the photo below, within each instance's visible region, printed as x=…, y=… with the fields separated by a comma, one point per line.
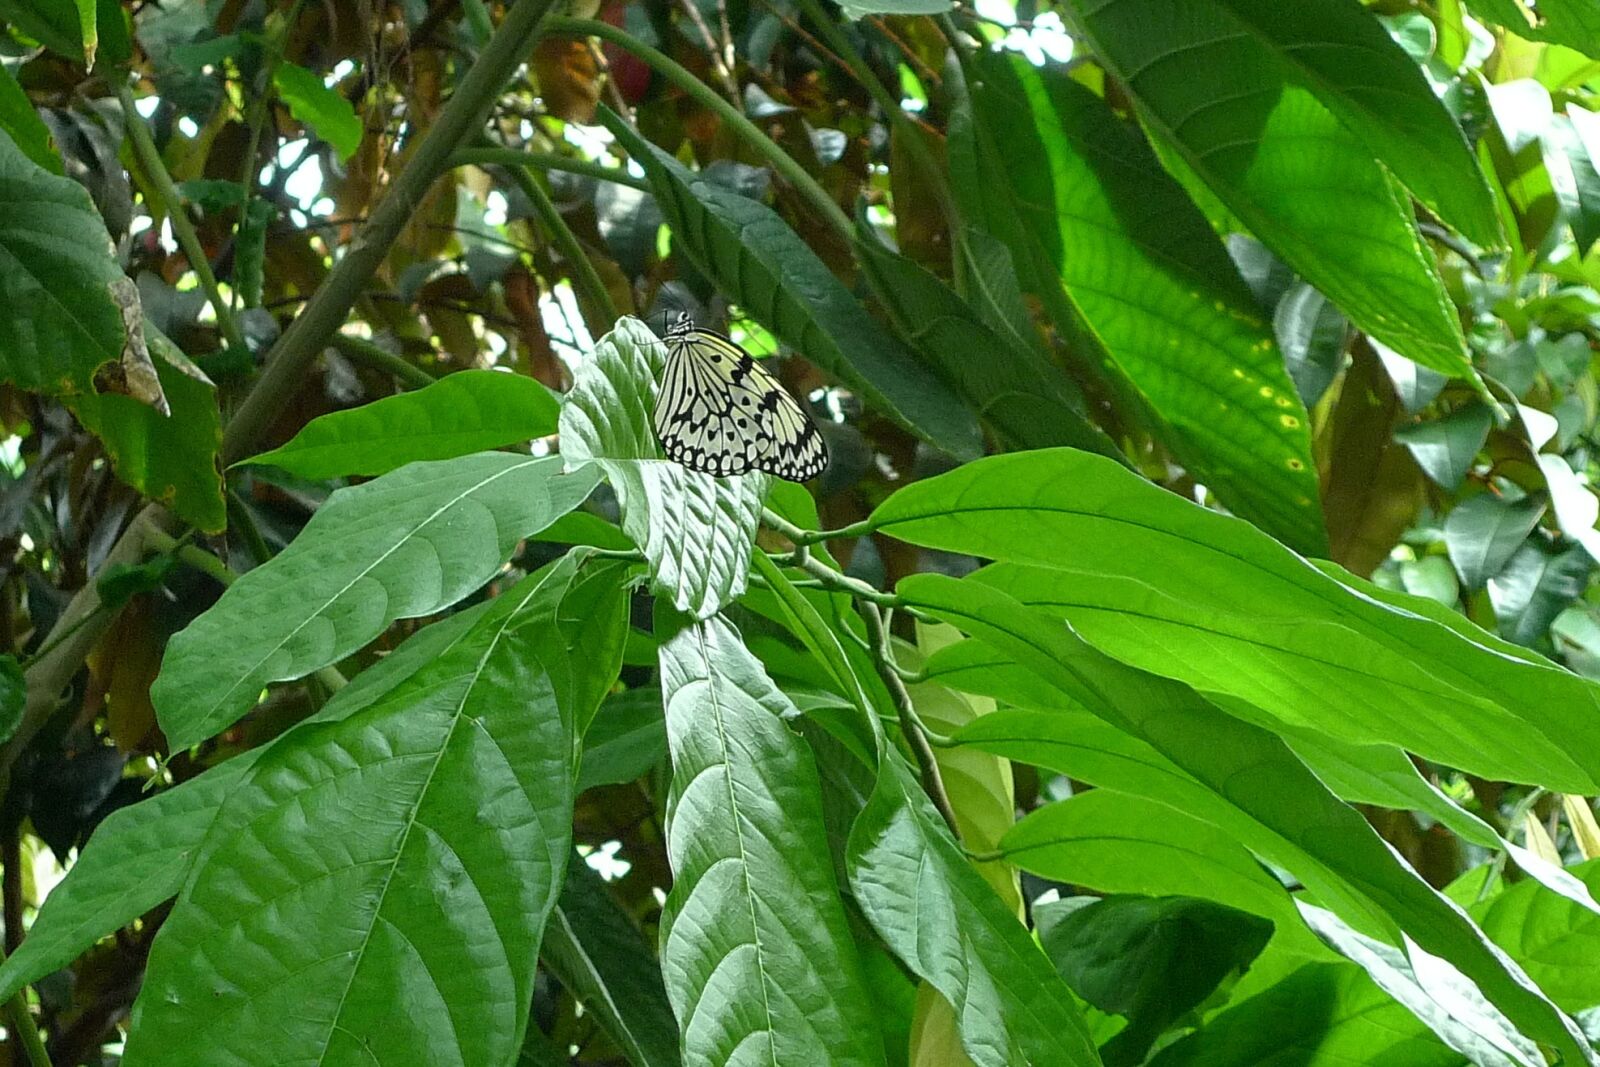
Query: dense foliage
x=1190, y=657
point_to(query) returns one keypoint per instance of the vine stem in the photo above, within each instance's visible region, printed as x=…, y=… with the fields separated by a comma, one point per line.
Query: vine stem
x=462, y=119
x=910, y=725
x=781, y=161
x=144, y=149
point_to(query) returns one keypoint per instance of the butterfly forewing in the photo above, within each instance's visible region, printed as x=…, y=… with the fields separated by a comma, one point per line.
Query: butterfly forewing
x=721, y=412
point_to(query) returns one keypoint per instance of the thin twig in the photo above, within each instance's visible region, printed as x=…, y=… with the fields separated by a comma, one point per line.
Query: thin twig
x=361, y=350
x=724, y=75
x=585, y=279
x=511, y=157
x=910, y=724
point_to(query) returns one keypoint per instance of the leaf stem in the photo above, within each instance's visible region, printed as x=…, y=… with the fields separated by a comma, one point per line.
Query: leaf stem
x=362, y=350
x=144, y=149
x=917, y=736
x=802, y=537
x=585, y=278
x=27, y=1030
x=781, y=161
x=512, y=157
x=463, y=117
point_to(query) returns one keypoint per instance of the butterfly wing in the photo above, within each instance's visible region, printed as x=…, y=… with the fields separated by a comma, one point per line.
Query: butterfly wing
x=721, y=412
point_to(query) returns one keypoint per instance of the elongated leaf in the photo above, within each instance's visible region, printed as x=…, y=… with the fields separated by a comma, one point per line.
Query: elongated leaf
x=599, y=955
x=939, y=916
x=56, y=274
x=1322, y=1015
x=1261, y=142
x=625, y=740
x=328, y=114
x=300, y=928
x=465, y=412
x=1153, y=285
x=1287, y=814
x=1574, y=23
x=1345, y=56
x=23, y=125
x=1445, y=448
x=759, y=962
x=142, y=855
x=1482, y=532
x=695, y=529
x=168, y=456
x=1169, y=587
x=761, y=263
x=404, y=545
x=1029, y=402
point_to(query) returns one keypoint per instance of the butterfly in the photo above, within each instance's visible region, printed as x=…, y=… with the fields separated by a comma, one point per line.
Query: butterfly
x=721, y=412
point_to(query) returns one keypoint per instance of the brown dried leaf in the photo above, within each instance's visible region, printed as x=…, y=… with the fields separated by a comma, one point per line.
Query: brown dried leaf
x=569, y=78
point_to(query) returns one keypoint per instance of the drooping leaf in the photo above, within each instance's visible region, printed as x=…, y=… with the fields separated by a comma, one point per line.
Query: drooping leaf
x=1345, y=56
x=943, y=920
x=1257, y=789
x=465, y=412
x=1029, y=402
x=168, y=456
x=763, y=265
x=404, y=545
x=1260, y=140
x=22, y=124
x=324, y=110
x=1150, y=281
x=1482, y=532
x=759, y=962
x=597, y=952
x=1534, y=586
x=1218, y=617
x=56, y=274
x=860, y=9
x=626, y=739
x=1445, y=448
x=436, y=897
x=1150, y=959
x=695, y=529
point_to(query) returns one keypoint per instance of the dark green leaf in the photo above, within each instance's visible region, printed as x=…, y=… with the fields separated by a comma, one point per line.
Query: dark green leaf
x=759, y=962
x=55, y=280
x=13, y=696
x=1482, y=532
x=461, y=413
x=250, y=250
x=600, y=956
x=1535, y=585
x=773, y=275
x=1167, y=586
x=627, y=738
x=435, y=898
x=1151, y=282
x=1260, y=139
x=324, y=110
x=407, y=544
x=1445, y=448
x=23, y=125
x=695, y=529
x=1149, y=959
x=1313, y=334
x=1574, y=23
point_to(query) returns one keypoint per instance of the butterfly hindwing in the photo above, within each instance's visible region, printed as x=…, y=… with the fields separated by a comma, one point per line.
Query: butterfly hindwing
x=721, y=412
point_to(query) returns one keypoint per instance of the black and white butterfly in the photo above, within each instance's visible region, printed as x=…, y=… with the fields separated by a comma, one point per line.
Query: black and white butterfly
x=721, y=412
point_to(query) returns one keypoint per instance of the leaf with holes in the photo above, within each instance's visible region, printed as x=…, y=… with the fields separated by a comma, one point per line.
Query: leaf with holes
x=695, y=529
x=758, y=957
x=407, y=544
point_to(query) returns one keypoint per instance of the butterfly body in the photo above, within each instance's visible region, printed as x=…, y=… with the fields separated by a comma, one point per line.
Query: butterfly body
x=721, y=412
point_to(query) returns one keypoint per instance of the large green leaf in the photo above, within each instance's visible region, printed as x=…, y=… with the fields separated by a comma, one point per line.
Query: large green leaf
x=1555, y=938
x=1028, y=401
x=626, y=739
x=600, y=956
x=1322, y=1015
x=774, y=276
x=407, y=544
x=695, y=529
x=1149, y=959
x=168, y=456
x=1574, y=23
x=1258, y=790
x=915, y=886
x=1151, y=282
x=1342, y=53
x=57, y=268
x=758, y=957
x=325, y=111
x=465, y=412
x=301, y=929
x=1283, y=163
x=1167, y=586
